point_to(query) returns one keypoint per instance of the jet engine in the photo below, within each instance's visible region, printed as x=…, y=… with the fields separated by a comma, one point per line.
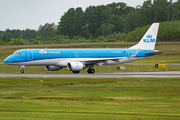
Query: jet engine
x=52, y=68
x=75, y=66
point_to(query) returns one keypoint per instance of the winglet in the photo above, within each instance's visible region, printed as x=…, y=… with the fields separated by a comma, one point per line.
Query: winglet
x=134, y=55
x=149, y=39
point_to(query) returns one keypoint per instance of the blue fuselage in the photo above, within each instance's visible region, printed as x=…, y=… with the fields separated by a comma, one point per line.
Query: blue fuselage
x=29, y=55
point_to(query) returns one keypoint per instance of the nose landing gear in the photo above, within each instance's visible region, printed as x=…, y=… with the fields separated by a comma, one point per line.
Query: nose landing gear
x=22, y=69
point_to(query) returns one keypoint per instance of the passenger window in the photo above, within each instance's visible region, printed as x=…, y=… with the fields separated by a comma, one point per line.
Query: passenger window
x=76, y=53
x=44, y=54
x=101, y=53
x=65, y=54
x=114, y=53
x=40, y=53
x=98, y=53
x=111, y=53
x=80, y=53
x=88, y=53
x=47, y=54
x=51, y=53
x=124, y=53
x=72, y=54
x=58, y=53
x=54, y=53
x=104, y=53
x=84, y=53
x=68, y=53
x=107, y=53
x=61, y=53
x=91, y=54
x=118, y=53
x=94, y=53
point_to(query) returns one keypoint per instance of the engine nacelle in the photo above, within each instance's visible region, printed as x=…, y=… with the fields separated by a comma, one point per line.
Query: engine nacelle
x=52, y=68
x=75, y=66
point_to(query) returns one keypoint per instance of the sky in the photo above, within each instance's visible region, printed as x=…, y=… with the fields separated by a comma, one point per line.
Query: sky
x=30, y=14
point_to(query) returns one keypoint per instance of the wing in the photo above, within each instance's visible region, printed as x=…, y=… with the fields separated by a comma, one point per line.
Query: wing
x=101, y=61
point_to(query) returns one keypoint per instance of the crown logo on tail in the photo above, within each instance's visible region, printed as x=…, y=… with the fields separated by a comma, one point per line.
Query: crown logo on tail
x=149, y=36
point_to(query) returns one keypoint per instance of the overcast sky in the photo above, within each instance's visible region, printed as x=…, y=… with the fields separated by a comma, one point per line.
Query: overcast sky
x=23, y=14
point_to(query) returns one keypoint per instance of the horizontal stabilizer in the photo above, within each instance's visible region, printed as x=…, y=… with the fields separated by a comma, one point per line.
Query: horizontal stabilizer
x=158, y=51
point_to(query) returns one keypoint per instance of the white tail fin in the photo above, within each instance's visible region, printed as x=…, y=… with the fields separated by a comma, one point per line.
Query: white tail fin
x=149, y=39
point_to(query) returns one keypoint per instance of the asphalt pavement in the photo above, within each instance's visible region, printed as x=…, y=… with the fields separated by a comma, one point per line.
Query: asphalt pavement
x=166, y=74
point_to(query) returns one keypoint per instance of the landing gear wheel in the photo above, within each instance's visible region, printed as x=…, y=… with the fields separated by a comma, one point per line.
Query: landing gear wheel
x=22, y=71
x=91, y=71
x=75, y=72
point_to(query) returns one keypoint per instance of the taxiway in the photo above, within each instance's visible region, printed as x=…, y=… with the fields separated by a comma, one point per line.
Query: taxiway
x=166, y=74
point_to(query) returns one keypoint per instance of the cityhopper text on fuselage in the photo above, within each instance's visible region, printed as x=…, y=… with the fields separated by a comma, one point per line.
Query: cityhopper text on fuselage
x=76, y=60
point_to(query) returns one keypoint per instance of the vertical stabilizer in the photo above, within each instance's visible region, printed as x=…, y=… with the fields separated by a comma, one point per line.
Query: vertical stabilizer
x=149, y=39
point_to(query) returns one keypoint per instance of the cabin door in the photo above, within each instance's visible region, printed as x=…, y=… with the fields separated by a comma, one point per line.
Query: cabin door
x=30, y=55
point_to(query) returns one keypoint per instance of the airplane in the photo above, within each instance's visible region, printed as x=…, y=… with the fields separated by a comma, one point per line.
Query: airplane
x=76, y=60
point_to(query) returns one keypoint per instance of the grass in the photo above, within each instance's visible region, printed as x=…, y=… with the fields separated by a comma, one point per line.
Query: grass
x=89, y=98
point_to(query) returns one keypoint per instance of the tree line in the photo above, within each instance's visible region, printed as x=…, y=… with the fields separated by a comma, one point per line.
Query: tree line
x=109, y=23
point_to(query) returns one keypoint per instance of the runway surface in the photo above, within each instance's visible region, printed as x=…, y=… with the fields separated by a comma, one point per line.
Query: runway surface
x=166, y=74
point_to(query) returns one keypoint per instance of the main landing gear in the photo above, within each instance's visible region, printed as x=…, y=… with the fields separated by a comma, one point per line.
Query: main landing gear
x=91, y=71
x=22, y=69
x=75, y=72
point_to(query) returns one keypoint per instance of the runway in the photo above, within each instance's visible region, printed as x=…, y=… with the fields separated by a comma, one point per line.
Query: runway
x=166, y=74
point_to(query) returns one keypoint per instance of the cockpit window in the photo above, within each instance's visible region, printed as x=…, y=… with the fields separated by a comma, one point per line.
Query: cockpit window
x=16, y=53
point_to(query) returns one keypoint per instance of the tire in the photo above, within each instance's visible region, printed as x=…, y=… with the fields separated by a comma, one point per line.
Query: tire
x=22, y=71
x=90, y=71
x=75, y=72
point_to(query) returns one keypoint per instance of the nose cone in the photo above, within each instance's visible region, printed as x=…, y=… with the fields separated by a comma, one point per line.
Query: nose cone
x=7, y=60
